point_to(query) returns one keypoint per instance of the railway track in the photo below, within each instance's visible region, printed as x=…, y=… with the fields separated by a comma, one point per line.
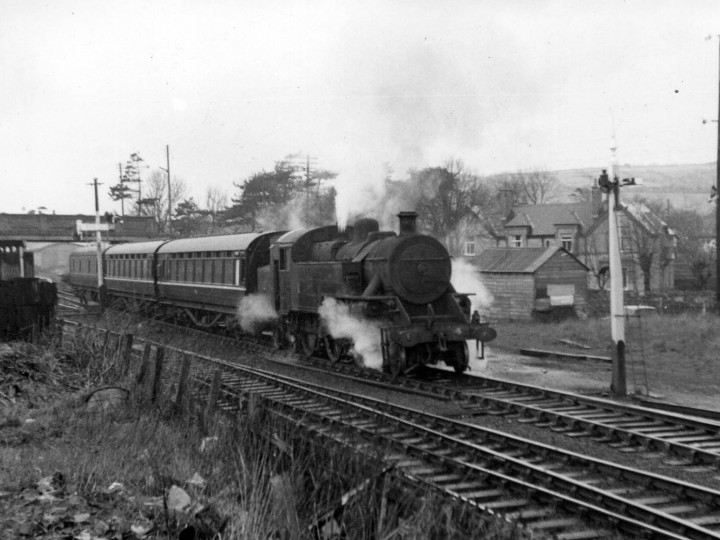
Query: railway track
x=68, y=305
x=551, y=493
x=690, y=442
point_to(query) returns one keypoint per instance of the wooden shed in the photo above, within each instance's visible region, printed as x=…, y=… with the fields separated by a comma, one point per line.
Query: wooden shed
x=538, y=282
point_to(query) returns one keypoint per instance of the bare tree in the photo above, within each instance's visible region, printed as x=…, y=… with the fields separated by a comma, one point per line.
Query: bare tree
x=538, y=186
x=216, y=202
x=533, y=187
x=453, y=204
x=156, y=189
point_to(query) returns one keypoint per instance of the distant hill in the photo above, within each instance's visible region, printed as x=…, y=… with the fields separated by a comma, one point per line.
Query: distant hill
x=685, y=186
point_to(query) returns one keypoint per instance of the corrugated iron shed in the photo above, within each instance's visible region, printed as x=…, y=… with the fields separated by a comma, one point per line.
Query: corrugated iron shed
x=517, y=260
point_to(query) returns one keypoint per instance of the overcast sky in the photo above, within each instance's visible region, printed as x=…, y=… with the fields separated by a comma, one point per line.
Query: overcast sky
x=232, y=86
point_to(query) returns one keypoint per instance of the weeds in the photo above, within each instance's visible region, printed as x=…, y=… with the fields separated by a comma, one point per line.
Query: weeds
x=255, y=475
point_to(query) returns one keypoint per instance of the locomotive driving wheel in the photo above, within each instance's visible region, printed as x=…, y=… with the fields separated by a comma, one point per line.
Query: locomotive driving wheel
x=308, y=342
x=333, y=349
x=460, y=356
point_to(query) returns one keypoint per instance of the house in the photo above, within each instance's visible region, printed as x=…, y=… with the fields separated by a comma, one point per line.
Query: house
x=544, y=225
x=647, y=243
x=647, y=250
x=529, y=282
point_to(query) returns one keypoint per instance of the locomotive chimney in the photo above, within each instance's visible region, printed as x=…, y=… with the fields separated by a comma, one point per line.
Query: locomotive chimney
x=408, y=223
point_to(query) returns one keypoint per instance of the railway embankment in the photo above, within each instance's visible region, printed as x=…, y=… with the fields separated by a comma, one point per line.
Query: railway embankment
x=97, y=441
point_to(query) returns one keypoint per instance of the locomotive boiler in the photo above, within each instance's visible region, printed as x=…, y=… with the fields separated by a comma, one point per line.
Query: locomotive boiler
x=399, y=283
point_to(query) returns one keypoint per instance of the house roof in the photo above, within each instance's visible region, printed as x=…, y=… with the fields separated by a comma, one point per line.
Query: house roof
x=641, y=215
x=543, y=219
x=518, y=260
x=647, y=218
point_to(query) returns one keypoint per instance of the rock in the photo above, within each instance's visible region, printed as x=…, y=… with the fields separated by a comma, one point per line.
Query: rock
x=114, y=487
x=106, y=399
x=208, y=443
x=178, y=499
x=197, y=481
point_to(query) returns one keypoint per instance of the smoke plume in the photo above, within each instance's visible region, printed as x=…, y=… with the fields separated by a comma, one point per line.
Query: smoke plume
x=254, y=312
x=365, y=336
x=466, y=279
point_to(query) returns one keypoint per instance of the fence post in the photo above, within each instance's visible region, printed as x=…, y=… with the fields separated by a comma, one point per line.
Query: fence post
x=106, y=343
x=383, y=505
x=213, y=396
x=156, y=380
x=59, y=327
x=142, y=373
x=182, y=384
x=127, y=344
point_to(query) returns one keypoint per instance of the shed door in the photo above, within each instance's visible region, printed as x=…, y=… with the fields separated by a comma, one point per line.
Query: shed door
x=561, y=295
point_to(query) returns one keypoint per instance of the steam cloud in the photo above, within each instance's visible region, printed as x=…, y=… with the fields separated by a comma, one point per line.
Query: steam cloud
x=254, y=312
x=365, y=336
x=466, y=279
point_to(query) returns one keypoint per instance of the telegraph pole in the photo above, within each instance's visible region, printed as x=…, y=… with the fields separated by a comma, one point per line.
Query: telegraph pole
x=122, y=192
x=98, y=241
x=167, y=157
x=717, y=197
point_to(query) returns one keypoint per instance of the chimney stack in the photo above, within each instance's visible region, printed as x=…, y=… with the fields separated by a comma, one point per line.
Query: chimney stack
x=408, y=223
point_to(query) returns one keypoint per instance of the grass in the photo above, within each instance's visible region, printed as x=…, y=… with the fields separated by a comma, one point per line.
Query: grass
x=678, y=352
x=66, y=472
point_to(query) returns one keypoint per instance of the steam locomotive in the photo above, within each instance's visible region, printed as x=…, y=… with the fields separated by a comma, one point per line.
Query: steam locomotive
x=397, y=285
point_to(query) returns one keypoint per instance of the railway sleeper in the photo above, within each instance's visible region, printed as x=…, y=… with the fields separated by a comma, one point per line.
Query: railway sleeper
x=422, y=471
x=655, y=499
x=483, y=494
x=524, y=516
x=584, y=534
x=459, y=487
x=705, y=521
x=679, y=509
x=550, y=524
x=505, y=503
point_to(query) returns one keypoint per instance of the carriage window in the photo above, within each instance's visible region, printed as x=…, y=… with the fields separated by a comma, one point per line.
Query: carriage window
x=283, y=258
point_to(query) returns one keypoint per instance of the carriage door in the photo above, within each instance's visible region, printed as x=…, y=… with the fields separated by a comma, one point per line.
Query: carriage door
x=276, y=283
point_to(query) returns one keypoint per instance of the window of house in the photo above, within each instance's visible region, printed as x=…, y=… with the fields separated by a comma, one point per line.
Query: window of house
x=517, y=241
x=566, y=240
x=470, y=248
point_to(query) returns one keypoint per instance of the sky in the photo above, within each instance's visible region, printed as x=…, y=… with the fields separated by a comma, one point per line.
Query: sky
x=233, y=86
